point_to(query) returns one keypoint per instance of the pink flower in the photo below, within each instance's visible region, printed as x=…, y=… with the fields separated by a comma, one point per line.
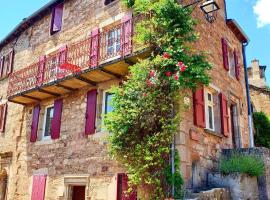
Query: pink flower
x=166, y=55
x=144, y=94
x=176, y=77
x=183, y=68
x=180, y=64
x=152, y=73
x=168, y=74
x=149, y=83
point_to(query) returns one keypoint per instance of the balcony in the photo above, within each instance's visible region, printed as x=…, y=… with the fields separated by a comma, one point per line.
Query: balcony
x=104, y=56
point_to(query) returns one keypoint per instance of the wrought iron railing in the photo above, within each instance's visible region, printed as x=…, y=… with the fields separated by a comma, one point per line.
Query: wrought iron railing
x=113, y=42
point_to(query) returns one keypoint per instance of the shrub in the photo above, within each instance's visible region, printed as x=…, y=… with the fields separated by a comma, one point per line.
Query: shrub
x=240, y=163
x=262, y=129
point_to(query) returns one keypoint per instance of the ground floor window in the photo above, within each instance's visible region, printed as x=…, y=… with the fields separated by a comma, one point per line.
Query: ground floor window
x=47, y=122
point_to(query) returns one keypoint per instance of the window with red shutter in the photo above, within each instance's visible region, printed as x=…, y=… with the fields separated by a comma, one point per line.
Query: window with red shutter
x=56, y=22
x=225, y=53
x=38, y=187
x=34, y=126
x=224, y=115
x=90, y=122
x=237, y=66
x=2, y=60
x=199, y=108
x=122, y=188
x=94, y=49
x=56, y=121
x=127, y=34
x=10, y=61
x=3, y=115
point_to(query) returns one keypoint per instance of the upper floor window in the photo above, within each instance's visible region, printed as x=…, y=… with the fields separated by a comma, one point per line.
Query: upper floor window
x=108, y=2
x=56, y=22
x=6, y=64
x=231, y=62
x=47, y=122
x=3, y=113
x=113, y=42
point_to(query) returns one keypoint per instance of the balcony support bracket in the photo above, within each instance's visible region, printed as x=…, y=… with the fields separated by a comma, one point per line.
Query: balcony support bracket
x=111, y=73
x=86, y=81
x=48, y=92
x=30, y=97
x=66, y=87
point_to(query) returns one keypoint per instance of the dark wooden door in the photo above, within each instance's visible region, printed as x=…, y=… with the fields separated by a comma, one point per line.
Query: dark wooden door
x=78, y=193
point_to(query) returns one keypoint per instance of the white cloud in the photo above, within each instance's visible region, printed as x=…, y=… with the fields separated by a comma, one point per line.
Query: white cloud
x=262, y=11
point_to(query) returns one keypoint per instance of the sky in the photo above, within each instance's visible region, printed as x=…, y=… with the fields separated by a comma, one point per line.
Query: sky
x=252, y=15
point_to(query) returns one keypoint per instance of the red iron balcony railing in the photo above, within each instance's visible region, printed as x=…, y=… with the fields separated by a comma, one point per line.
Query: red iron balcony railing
x=103, y=45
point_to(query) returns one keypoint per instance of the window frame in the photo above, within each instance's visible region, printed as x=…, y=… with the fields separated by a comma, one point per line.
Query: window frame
x=43, y=137
x=207, y=105
x=52, y=32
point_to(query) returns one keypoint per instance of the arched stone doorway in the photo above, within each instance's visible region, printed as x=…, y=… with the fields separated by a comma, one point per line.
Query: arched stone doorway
x=3, y=184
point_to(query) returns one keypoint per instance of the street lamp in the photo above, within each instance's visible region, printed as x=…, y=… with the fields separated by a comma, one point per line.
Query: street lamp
x=209, y=8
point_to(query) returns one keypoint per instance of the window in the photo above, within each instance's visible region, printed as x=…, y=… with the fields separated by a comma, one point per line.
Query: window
x=47, y=122
x=113, y=42
x=6, y=64
x=75, y=187
x=3, y=113
x=56, y=22
x=209, y=110
x=107, y=103
x=108, y=2
x=231, y=62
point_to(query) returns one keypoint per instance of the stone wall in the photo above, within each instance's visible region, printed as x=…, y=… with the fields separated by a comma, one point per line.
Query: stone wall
x=260, y=99
x=74, y=155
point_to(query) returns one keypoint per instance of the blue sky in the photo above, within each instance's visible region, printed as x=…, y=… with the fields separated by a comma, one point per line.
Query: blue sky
x=252, y=15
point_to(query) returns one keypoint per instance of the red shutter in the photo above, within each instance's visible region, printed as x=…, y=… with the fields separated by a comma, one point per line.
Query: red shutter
x=38, y=187
x=57, y=18
x=56, y=121
x=2, y=60
x=122, y=188
x=237, y=66
x=224, y=114
x=90, y=116
x=94, y=49
x=3, y=115
x=198, y=106
x=225, y=53
x=35, y=120
x=10, y=61
x=41, y=69
x=61, y=72
x=126, y=40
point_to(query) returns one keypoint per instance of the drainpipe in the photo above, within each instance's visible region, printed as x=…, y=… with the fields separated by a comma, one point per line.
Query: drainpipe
x=251, y=136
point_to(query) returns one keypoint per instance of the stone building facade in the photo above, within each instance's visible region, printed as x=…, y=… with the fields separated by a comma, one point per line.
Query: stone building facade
x=259, y=91
x=53, y=144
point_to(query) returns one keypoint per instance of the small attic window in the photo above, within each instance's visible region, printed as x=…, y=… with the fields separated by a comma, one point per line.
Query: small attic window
x=56, y=22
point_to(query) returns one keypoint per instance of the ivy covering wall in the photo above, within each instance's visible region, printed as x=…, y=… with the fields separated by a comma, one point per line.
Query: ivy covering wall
x=147, y=105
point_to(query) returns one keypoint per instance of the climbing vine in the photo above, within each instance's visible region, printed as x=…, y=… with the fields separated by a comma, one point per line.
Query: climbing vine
x=147, y=105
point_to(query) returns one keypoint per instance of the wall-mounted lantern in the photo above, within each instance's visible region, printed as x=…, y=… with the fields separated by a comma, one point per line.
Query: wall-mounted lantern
x=210, y=8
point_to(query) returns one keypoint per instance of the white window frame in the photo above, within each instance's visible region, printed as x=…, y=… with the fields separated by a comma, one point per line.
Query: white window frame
x=113, y=34
x=207, y=104
x=44, y=123
x=103, y=108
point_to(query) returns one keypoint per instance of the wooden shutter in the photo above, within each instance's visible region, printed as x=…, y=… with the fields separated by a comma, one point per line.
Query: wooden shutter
x=57, y=18
x=237, y=66
x=3, y=115
x=10, y=61
x=94, y=49
x=35, y=120
x=56, y=121
x=225, y=53
x=126, y=34
x=61, y=72
x=38, y=187
x=122, y=188
x=2, y=60
x=224, y=115
x=90, y=115
x=199, y=108
x=41, y=69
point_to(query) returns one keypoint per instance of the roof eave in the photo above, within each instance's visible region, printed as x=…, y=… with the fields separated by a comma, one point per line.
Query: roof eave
x=237, y=30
